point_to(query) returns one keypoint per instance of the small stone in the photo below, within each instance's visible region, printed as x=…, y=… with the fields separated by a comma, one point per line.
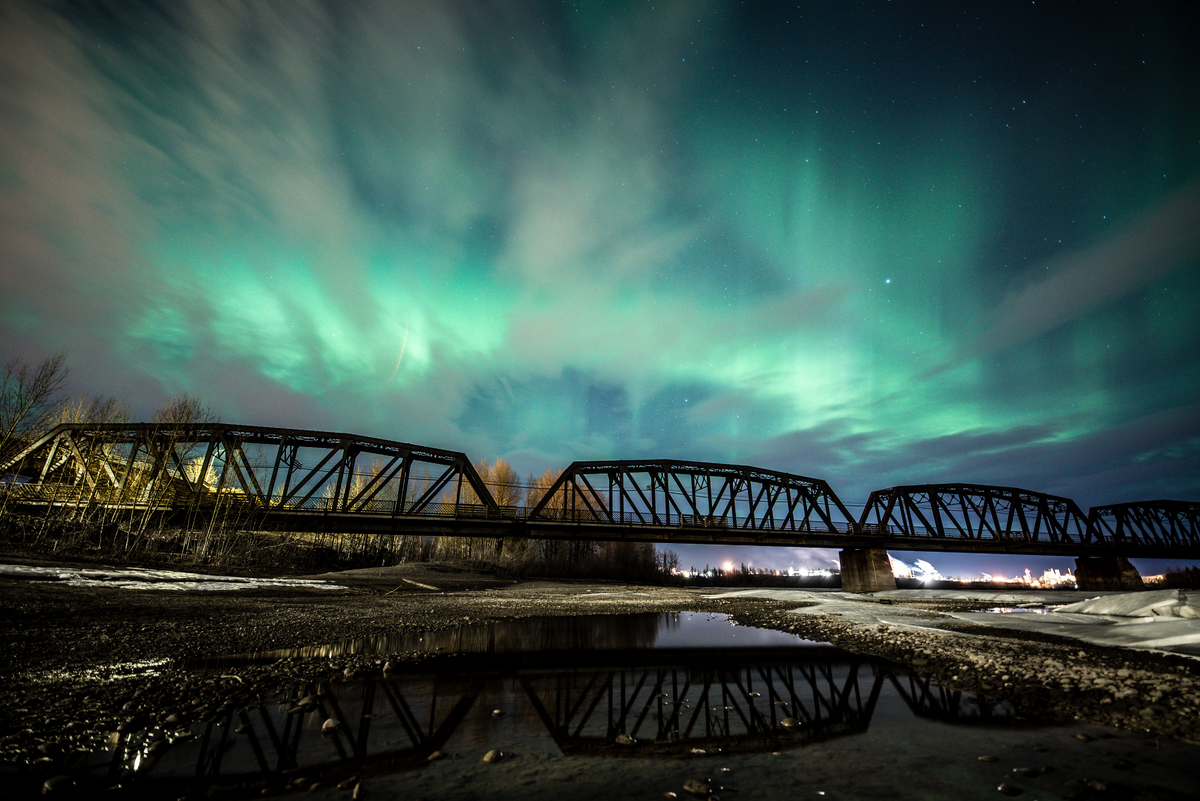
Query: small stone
x=1083, y=738
x=1009, y=789
x=1026, y=773
x=57, y=784
x=330, y=725
x=435, y=756
x=346, y=784
x=360, y=791
x=493, y=756
x=989, y=759
x=790, y=723
x=698, y=788
x=625, y=739
x=497, y=713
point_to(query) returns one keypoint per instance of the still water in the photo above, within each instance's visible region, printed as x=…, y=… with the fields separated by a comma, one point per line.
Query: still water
x=641, y=707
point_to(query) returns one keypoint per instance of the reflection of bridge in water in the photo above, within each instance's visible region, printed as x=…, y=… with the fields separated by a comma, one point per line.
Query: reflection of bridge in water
x=635, y=704
x=285, y=479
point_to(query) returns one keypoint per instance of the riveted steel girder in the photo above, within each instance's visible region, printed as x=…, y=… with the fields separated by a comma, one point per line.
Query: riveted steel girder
x=272, y=469
x=692, y=494
x=976, y=516
x=1173, y=525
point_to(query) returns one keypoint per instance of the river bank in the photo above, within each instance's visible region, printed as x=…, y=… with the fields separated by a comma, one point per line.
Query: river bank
x=86, y=661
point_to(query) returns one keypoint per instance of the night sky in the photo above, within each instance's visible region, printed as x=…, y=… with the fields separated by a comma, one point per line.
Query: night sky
x=874, y=243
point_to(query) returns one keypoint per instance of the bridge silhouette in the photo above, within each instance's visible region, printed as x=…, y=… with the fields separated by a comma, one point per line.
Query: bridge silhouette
x=298, y=480
x=693, y=703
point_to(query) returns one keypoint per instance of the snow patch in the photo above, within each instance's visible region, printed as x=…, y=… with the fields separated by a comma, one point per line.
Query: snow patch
x=145, y=579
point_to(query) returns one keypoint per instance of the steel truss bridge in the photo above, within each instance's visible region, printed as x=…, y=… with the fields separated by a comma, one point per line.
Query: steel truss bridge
x=287, y=479
x=682, y=703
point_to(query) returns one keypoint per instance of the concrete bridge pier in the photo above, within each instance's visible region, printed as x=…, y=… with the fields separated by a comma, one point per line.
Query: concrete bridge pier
x=1106, y=573
x=866, y=570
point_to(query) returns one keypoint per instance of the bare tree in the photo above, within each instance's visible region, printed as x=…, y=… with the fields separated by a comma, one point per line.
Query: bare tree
x=96, y=409
x=30, y=400
x=183, y=409
x=505, y=484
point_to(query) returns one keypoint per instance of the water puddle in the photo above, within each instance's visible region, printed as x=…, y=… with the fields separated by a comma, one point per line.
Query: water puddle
x=543, y=635
x=636, y=706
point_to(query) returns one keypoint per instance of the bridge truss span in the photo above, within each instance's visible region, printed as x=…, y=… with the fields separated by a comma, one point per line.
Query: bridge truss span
x=1148, y=526
x=975, y=517
x=270, y=469
x=694, y=497
x=192, y=476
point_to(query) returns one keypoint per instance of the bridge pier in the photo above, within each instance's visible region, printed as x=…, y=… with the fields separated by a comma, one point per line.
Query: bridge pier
x=1106, y=573
x=866, y=570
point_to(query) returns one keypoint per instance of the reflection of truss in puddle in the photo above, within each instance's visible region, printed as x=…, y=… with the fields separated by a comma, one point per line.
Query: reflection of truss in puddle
x=929, y=700
x=690, y=702
x=661, y=711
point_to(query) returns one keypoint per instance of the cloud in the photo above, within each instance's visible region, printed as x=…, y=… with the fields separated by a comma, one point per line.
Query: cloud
x=1159, y=242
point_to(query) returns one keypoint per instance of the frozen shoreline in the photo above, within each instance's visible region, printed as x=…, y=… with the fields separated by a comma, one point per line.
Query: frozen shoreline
x=1166, y=621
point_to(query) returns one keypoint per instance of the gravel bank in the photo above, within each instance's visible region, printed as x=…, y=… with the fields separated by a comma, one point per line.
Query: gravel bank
x=84, y=662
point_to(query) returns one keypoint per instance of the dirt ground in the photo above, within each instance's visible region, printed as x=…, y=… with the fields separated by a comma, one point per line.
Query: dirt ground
x=82, y=662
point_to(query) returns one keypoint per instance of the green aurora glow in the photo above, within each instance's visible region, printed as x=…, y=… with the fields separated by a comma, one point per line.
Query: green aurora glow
x=876, y=246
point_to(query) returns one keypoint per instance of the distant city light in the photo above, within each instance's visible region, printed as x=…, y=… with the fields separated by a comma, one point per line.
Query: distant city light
x=1049, y=578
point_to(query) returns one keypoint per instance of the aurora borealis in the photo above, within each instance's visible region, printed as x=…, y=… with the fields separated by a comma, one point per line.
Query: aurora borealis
x=878, y=244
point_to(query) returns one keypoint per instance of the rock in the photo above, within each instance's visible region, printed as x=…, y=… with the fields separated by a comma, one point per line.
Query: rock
x=330, y=725
x=493, y=756
x=435, y=756
x=697, y=788
x=497, y=713
x=625, y=739
x=989, y=759
x=359, y=791
x=1009, y=789
x=790, y=723
x=57, y=784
